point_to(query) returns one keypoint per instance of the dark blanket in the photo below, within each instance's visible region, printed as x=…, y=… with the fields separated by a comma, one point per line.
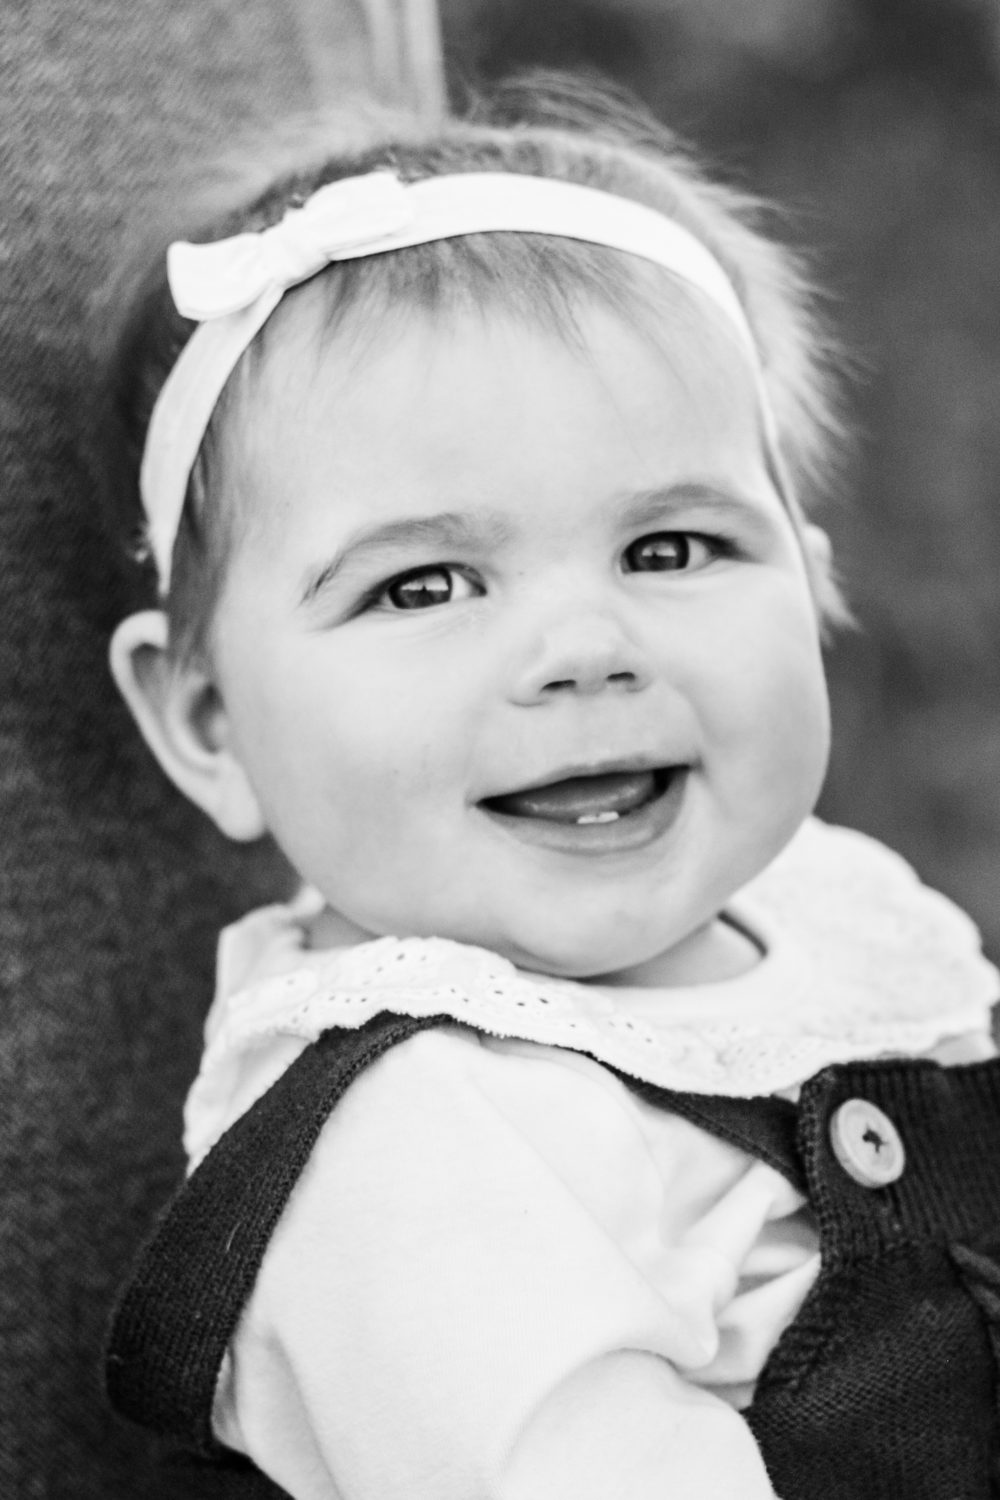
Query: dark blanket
x=111, y=890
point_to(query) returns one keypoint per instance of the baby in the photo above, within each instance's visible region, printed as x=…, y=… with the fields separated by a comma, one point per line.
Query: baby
x=595, y=1122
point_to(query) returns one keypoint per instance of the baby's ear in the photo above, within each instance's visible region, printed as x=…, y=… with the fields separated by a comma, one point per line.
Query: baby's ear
x=832, y=608
x=183, y=720
x=819, y=547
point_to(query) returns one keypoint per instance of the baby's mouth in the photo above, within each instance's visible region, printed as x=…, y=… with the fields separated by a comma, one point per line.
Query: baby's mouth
x=605, y=797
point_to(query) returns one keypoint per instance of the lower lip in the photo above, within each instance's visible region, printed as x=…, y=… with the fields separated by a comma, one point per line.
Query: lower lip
x=634, y=830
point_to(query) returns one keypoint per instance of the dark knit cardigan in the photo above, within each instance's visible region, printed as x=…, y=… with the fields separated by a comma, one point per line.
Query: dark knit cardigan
x=885, y=1386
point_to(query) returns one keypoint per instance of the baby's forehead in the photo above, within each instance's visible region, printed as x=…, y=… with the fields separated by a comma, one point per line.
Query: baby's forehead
x=347, y=322
x=427, y=412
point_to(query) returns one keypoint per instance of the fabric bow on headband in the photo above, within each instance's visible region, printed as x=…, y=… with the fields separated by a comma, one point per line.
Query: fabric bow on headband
x=210, y=281
x=231, y=287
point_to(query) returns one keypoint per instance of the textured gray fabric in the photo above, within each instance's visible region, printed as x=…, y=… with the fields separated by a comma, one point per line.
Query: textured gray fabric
x=111, y=891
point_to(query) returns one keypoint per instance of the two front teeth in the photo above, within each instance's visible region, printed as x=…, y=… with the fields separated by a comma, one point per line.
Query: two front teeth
x=587, y=799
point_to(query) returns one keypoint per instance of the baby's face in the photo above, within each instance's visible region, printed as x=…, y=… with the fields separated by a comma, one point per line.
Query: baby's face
x=526, y=654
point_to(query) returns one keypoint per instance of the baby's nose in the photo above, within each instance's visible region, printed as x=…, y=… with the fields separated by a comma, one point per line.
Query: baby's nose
x=582, y=655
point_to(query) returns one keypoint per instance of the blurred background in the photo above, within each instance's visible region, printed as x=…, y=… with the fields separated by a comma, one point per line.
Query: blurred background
x=875, y=125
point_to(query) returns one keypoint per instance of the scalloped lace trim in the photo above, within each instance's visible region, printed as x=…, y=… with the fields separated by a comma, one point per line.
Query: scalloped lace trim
x=862, y=960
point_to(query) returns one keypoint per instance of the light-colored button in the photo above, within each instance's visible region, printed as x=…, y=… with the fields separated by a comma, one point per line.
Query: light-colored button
x=866, y=1143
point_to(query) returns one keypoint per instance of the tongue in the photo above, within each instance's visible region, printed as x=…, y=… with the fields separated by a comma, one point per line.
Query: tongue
x=581, y=796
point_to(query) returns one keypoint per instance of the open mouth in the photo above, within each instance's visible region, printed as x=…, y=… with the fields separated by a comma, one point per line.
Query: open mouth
x=586, y=800
x=598, y=813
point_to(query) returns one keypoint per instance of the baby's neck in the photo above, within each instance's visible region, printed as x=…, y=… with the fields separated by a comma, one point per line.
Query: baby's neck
x=718, y=951
x=328, y=929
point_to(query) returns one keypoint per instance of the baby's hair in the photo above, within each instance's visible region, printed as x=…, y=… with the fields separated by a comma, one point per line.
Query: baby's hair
x=543, y=125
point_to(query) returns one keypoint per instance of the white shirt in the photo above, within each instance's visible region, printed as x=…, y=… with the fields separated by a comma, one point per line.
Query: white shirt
x=502, y=1273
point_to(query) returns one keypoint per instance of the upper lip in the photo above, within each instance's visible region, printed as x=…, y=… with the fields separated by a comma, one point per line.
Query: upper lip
x=612, y=766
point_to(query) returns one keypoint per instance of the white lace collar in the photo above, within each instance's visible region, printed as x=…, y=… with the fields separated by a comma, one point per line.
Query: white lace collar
x=861, y=961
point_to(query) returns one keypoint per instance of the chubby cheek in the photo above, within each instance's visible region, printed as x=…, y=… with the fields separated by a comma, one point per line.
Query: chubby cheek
x=764, y=708
x=356, y=776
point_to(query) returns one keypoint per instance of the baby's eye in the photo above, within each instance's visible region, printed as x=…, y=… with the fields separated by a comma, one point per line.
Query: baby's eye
x=422, y=588
x=670, y=552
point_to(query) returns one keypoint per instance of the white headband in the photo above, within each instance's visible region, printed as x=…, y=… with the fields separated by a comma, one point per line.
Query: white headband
x=232, y=287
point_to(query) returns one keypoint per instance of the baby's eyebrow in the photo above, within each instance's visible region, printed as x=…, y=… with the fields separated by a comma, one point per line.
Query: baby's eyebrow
x=451, y=530
x=484, y=531
x=654, y=506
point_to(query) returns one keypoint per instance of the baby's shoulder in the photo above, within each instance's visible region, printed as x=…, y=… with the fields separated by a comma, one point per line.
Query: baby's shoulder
x=835, y=869
x=456, y=1072
x=819, y=845
x=451, y=1114
x=882, y=944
